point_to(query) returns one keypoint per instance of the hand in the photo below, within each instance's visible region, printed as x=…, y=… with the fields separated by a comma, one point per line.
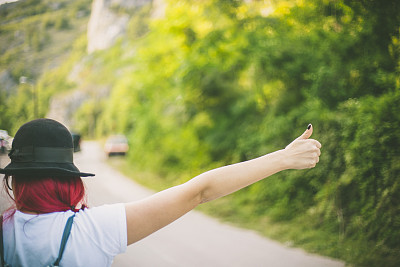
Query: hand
x=303, y=152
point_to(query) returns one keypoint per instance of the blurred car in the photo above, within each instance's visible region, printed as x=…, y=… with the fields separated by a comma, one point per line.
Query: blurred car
x=5, y=142
x=76, y=139
x=116, y=145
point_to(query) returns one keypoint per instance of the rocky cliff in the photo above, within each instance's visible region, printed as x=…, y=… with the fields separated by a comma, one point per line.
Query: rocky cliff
x=105, y=25
x=108, y=21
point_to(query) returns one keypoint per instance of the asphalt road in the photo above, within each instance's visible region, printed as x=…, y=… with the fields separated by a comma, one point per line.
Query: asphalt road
x=193, y=240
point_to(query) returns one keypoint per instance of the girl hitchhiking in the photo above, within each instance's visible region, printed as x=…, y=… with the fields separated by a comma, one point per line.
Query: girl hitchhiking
x=51, y=225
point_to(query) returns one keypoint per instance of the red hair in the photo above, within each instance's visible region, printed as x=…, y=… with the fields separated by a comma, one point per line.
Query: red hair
x=45, y=195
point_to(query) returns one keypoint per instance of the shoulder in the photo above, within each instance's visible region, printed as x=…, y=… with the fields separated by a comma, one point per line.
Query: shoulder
x=109, y=219
x=104, y=212
x=104, y=226
x=101, y=216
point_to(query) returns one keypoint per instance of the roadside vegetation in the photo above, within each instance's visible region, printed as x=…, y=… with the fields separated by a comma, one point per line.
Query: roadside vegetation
x=217, y=82
x=38, y=41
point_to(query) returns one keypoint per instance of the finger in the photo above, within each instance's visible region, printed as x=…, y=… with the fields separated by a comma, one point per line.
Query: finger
x=316, y=153
x=315, y=143
x=312, y=164
x=318, y=144
x=307, y=133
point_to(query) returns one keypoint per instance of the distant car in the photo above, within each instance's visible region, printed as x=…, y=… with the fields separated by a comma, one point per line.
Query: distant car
x=116, y=145
x=76, y=138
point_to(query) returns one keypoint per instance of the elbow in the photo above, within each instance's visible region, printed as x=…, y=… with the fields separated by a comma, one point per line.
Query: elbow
x=203, y=200
x=198, y=192
x=205, y=196
x=200, y=198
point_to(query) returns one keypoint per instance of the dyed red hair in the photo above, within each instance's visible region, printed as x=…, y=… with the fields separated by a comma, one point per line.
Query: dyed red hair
x=45, y=195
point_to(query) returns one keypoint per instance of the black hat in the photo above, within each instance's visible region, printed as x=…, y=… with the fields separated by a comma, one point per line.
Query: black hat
x=42, y=147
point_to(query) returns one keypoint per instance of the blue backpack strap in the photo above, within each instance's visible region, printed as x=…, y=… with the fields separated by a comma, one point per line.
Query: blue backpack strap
x=3, y=262
x=67, y=231
x=1, y=243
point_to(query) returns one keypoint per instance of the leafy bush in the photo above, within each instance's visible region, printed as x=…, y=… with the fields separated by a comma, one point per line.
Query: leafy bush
x=216, y=82
x=62, y=23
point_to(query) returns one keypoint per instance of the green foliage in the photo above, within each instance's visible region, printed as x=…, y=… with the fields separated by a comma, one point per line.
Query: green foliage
x=216, y=82
x=372, y=171
x=62, y=23
x=5, y=120
x=139, y=23
x=33, y=42
x=23, y=9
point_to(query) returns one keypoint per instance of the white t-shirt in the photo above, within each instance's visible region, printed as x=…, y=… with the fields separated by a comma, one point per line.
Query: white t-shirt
x=97, y=236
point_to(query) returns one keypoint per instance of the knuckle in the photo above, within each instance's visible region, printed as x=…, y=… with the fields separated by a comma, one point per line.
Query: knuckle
x=317, y=151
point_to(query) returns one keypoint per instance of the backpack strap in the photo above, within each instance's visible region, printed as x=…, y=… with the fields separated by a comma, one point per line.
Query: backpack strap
x=3, y=262
x=1, y=242
x=67, y=231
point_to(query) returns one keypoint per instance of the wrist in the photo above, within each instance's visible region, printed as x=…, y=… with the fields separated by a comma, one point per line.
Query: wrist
x=280, y=160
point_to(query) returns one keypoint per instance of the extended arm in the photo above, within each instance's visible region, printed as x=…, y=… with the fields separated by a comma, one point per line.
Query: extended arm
x=149, y=215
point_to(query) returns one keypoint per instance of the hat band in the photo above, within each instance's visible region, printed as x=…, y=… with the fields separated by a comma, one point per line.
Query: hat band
x=42, y=154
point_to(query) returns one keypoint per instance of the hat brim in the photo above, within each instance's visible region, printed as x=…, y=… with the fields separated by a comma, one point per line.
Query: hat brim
x=36, y=169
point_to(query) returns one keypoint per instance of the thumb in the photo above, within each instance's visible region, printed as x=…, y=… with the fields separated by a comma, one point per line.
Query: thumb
x=307, y=133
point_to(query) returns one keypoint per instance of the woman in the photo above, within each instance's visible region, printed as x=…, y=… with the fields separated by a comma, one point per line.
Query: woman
x=50, y=223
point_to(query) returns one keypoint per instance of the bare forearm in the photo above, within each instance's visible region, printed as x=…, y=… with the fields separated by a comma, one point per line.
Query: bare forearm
x=149, y=215
x=228, y=179
x=300, y=154
x=153, y=213
x=170, y=204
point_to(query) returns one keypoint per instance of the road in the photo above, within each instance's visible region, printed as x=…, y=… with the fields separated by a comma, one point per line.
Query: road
x=193, y=240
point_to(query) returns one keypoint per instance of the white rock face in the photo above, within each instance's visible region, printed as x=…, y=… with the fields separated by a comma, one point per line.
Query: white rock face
x=158, y=9
x=105, y=26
